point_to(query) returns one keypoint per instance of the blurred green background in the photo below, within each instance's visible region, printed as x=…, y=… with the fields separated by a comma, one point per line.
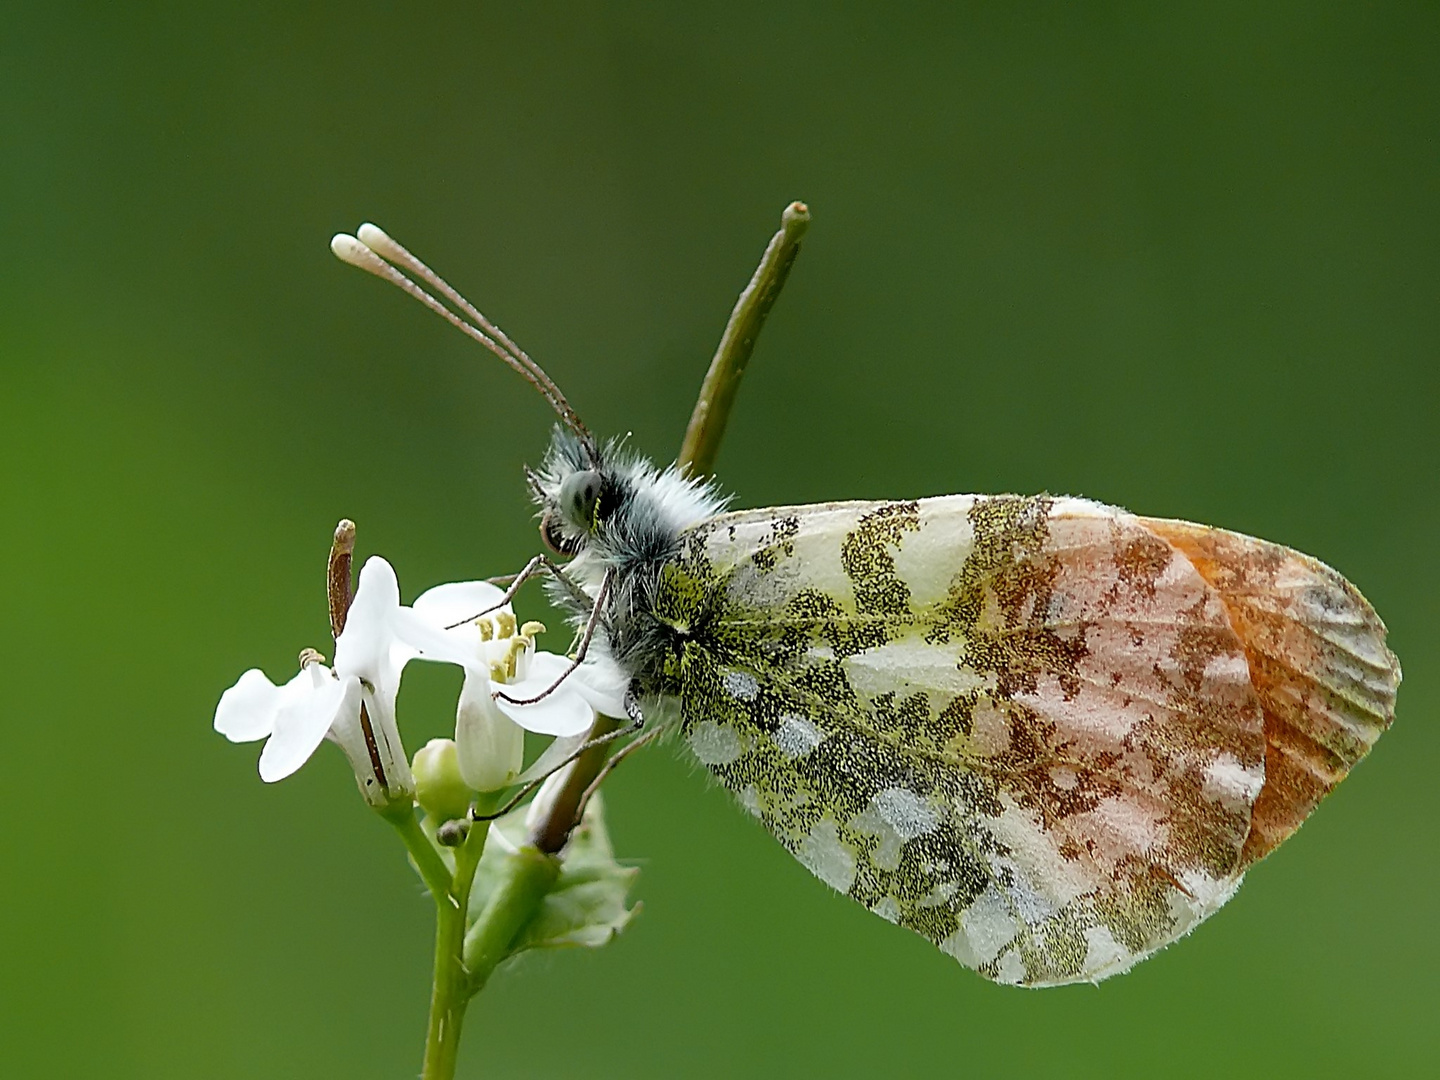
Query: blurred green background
x=1185, y=262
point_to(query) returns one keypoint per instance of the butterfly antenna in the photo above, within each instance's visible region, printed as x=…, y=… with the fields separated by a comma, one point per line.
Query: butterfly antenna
x=378, y=241
x=371, y=249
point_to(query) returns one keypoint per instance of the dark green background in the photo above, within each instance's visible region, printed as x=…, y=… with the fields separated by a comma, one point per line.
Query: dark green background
x=1183, y=262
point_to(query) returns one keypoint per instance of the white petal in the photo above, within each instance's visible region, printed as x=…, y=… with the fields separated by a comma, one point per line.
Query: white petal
x=457, y=601
x=561, y=712
x=378, y=586
x=300, y=726
x=599, y=681
x=247, y=710
x=544, y=800
x=490, y=746
x=602, y=683
x=363, y=648
x=545, y=667
x=400, y=655
x=432, y=642
x=380, y=707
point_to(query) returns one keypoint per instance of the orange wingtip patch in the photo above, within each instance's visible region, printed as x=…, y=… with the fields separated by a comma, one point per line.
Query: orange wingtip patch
x=1318, y=661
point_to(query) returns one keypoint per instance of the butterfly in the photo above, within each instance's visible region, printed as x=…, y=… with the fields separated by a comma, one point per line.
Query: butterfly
x=1044, y=733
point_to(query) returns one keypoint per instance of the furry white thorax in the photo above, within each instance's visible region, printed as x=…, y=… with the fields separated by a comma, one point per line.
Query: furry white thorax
x=680, y=501
x=645, y=508
x=618, y=515
x=664, y=500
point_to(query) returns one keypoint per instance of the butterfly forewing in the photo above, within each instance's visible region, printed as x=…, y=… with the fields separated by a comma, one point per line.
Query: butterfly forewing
x=1317, y=657
x=1023, y=727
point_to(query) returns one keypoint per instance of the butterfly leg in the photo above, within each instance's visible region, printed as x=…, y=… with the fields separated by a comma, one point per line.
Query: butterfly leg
x=637, y=720
x=585, y=638
x=541, y=563
x=632, y=706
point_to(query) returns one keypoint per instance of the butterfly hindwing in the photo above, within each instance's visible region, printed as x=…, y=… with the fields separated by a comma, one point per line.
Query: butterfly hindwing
x=1022, y=727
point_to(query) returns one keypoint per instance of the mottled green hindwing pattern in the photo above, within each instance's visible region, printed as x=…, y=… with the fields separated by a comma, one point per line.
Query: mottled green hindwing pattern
x=1021, y=727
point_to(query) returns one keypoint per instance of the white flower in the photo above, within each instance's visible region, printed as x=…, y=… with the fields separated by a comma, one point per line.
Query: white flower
x=353, y=704
x=501, y=661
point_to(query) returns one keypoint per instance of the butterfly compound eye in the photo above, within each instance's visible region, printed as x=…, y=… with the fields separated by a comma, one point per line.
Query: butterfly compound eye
x=552, y=537
x=579, y=496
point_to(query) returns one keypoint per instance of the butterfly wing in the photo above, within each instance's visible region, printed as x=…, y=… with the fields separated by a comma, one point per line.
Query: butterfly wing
x=1025, y=728
x=1318, y=661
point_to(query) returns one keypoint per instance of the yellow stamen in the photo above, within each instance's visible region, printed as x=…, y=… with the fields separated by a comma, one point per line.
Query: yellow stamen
x=512, y=657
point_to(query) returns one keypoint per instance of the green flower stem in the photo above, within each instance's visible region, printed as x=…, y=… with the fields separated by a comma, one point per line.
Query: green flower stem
x=722, y=381
x=427, y=859
x=526, y=878
x=553, y=829
x=451, y=991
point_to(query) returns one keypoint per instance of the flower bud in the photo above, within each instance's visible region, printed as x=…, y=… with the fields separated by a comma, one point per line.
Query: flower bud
x=453, y=833
x=439, y=789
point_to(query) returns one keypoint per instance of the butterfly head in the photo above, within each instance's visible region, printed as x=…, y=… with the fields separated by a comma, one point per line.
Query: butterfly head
x=576, y=491
x=602, y=498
